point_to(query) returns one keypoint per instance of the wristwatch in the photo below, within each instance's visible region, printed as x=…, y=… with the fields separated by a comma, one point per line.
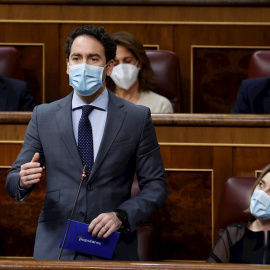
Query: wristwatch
x=123, y=217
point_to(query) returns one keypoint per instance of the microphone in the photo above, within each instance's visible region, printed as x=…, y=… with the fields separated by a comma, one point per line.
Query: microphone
x=83, y=176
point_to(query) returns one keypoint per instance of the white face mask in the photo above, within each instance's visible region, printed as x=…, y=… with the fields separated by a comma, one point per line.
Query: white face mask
x=125, y=75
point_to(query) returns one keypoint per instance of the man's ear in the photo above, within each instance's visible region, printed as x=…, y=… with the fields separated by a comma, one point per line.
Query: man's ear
x=67, y=67
x=110, y=67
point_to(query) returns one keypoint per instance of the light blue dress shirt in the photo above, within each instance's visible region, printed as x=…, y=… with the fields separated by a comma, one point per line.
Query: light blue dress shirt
x=97, y=117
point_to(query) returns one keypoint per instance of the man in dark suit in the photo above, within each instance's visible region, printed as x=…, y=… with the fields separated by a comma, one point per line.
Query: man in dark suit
x=124, y=142
x=15, y=95
x=253, y=97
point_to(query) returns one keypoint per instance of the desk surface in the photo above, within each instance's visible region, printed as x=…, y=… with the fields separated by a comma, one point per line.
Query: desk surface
x=174, y=119
x=27, y=263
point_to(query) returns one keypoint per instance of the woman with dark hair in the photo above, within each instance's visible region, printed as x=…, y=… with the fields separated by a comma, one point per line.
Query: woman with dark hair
x=132, y=77
x=248, y=242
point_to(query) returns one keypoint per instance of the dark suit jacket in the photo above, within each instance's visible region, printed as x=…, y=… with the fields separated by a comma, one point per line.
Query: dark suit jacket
x=14, y=95
x=129, y=144
x=253, y=97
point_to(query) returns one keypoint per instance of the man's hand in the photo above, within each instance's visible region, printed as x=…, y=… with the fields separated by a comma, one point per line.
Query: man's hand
x=104, y=225
x=30, y=173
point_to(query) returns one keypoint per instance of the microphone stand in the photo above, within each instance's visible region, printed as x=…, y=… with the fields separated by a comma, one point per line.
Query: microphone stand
x=84, y=175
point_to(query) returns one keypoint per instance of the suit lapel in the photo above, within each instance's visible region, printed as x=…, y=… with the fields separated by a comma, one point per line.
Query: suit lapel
x=3, y=96
x=64, y=119
x=114, y=122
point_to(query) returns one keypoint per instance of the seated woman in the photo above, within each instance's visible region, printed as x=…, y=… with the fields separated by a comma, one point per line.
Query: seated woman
x=132, y=77
x=248, y=242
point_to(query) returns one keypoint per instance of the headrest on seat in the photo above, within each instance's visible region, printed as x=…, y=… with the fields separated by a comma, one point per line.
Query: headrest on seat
x=259, y=64
x=165, y=65
x=10, y=65
x=235, y=200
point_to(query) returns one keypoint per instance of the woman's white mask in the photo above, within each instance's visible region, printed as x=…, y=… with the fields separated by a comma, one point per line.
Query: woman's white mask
x=125, y=75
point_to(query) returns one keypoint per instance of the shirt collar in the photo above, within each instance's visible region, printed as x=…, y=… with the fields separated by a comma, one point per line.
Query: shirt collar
x=100, y=102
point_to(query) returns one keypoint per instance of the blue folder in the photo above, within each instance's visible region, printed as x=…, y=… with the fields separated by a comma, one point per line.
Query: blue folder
x=80, y=240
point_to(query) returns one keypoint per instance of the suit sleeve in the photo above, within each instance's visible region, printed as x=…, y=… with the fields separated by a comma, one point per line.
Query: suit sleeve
x=242, y=104
x=31, y=145
x=151, y=178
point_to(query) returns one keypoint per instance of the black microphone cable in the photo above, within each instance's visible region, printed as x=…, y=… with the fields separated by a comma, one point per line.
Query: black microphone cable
x=84, y=175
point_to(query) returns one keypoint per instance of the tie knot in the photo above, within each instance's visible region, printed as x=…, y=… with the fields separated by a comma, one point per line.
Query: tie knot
x=86, y=109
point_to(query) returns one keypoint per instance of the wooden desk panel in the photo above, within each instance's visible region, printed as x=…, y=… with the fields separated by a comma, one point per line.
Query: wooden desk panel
x=200, y=152
x=26, y=264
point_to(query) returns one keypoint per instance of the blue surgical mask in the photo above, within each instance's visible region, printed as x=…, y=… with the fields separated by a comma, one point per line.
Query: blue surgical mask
x=260, y=205
x=85, y=79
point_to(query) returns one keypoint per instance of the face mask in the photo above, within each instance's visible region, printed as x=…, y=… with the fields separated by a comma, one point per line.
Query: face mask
x=85, y=79
x=125, y=75
x=260, y=205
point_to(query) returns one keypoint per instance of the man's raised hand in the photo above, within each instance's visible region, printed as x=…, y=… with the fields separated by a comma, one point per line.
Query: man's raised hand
x=30, y=173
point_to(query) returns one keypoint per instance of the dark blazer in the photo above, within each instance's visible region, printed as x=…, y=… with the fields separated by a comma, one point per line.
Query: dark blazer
x=14, y=95
x=129, y=144
x=253, y=97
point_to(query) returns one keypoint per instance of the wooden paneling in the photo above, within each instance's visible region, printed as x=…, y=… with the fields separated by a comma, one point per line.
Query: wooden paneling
x=173, y=13
x=177, y=28
x=210, y=87
x=188, y=157
x=191, y=145
x=18, y=228
x=248, y=161
x=46, y=34
x=185, y=218
x=8, y=152
x=28, y=67
x=200, y=152
x=13, y=133
x=222, y=66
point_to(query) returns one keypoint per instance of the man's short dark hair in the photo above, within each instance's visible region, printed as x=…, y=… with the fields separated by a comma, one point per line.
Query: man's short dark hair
x=98, y=33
